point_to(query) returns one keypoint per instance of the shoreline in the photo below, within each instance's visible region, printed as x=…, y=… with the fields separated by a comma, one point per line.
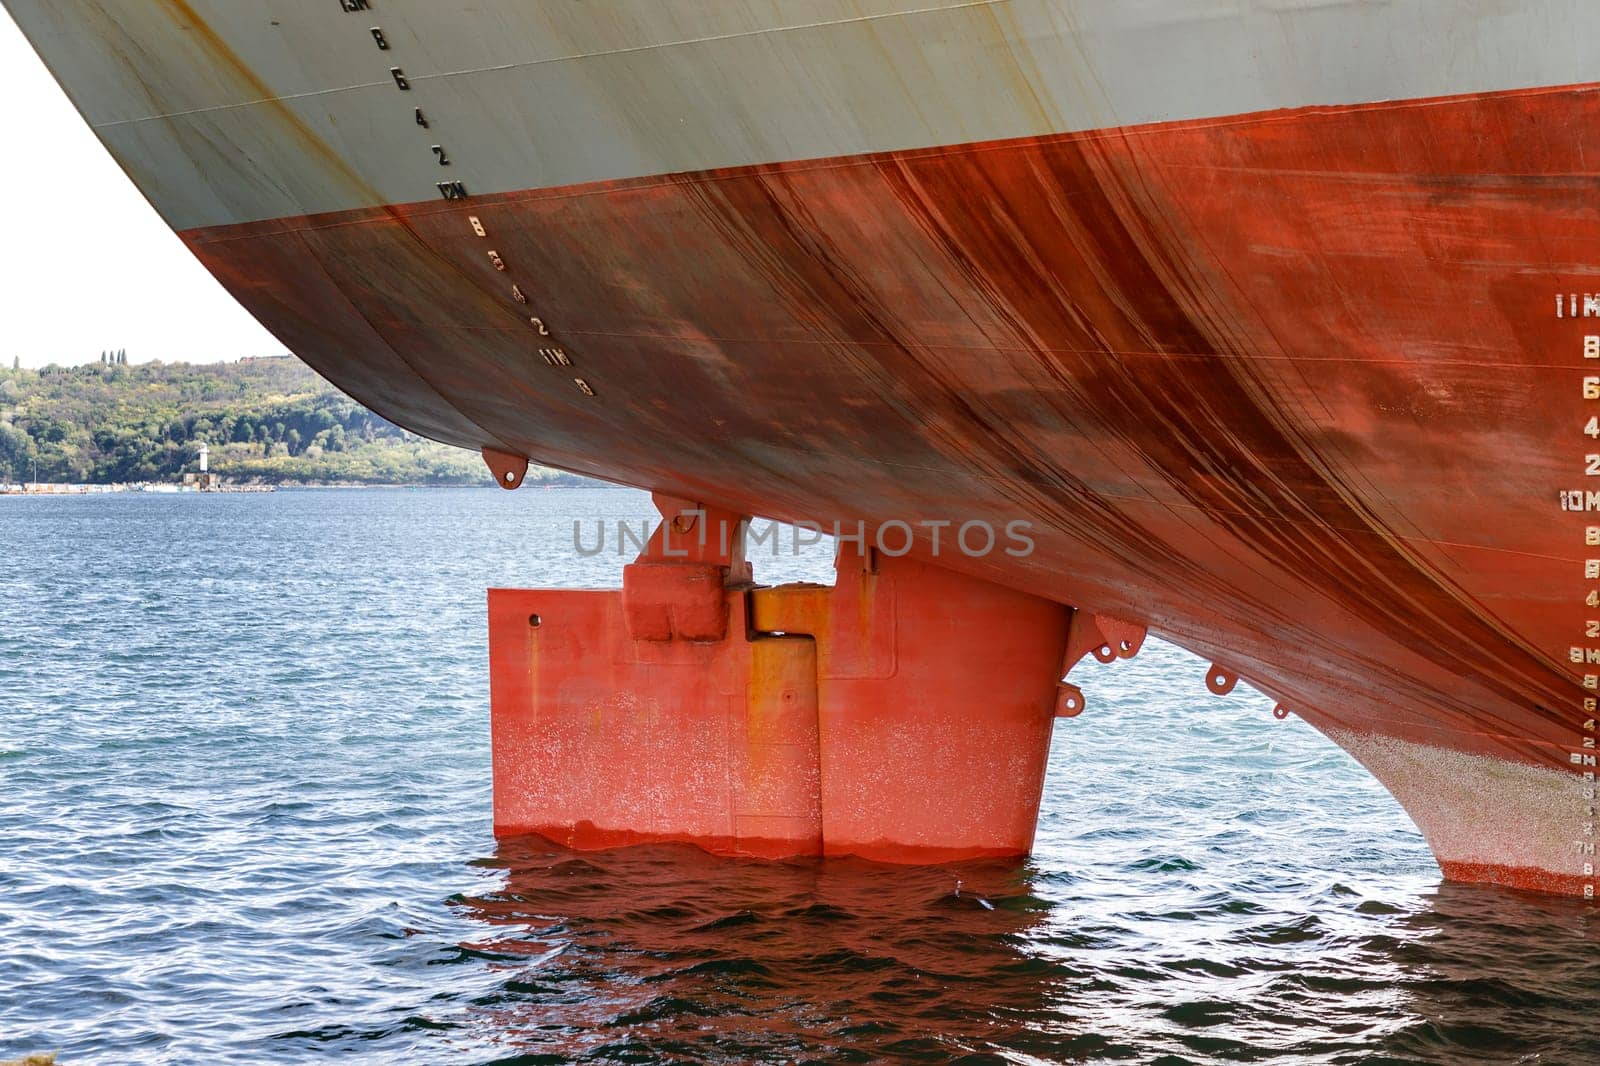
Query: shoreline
x=168, y=489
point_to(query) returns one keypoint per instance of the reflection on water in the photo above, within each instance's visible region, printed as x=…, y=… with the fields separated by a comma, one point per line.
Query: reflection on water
x=1506, y=975
x=662, y=951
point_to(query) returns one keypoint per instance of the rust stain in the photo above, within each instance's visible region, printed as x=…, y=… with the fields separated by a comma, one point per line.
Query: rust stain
x=230, y=64
x=334, y=165
x=921, y=333
x=1118, y=282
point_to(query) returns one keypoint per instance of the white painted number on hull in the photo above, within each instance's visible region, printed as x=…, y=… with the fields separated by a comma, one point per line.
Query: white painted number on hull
x=1586, y=305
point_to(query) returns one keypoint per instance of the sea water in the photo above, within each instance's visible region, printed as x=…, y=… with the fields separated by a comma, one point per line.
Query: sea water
x=245, y=818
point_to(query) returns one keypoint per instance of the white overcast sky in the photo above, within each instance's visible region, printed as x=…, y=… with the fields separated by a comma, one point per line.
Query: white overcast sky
x=85, y=263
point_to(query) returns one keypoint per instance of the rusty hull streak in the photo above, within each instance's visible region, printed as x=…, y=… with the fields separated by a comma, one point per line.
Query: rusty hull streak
x=1217, y=439
x=228, y=62
x=1076, y=330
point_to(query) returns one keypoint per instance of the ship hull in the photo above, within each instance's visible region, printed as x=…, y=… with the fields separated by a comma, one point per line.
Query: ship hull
x=1302, y=390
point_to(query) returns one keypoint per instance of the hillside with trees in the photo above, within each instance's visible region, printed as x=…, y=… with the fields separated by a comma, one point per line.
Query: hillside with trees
x=265, y=420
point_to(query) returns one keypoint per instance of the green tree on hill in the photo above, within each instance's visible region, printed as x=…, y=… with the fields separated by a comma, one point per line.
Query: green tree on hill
x=266, y=420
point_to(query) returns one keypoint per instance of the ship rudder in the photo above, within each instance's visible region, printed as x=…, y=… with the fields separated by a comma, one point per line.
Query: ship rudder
x=902, y=714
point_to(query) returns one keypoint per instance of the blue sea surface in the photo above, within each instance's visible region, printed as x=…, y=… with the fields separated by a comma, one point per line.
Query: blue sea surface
x=245, y=818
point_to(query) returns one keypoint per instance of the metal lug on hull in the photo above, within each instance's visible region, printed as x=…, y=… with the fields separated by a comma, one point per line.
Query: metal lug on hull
x=508, y=469
x=1220, y=680
x=1069, y=700
x=1101, y=635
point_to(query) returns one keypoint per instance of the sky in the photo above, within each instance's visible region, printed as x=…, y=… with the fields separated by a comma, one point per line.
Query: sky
x=91, y=266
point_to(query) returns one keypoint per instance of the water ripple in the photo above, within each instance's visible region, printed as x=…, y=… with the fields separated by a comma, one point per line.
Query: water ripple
x=244, y=750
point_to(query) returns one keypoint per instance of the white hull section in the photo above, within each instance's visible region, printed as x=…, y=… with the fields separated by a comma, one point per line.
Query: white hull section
x=225, y=111
x=1479, y=811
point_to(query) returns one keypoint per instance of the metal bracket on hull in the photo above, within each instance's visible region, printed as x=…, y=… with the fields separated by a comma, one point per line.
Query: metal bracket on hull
x=1106, y=638
x=1069, y=700
x=508, y=469
x=1220, y=680
x=676, y=589
x=902, y=713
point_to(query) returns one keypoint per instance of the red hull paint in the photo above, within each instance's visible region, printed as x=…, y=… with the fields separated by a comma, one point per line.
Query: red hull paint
x=1526, y=878
x=1288, y=388
x=902, y=715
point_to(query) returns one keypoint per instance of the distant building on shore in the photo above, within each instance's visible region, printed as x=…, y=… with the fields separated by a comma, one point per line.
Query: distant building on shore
x=204, y=480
